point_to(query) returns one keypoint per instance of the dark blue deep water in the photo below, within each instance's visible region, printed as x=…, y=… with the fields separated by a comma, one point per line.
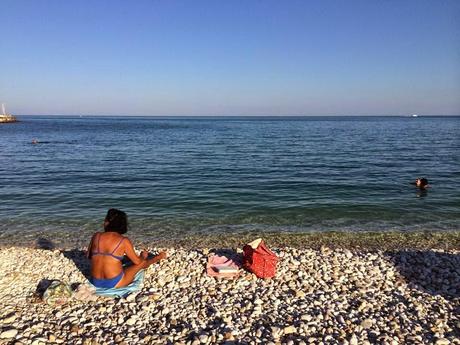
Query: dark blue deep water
x=238, y=174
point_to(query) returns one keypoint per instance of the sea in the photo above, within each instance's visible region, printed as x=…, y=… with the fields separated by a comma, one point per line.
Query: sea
x=179, y=176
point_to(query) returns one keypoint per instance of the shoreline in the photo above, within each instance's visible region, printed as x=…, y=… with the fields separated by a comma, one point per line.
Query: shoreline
x=368, y=241
x=420, y=240
x=323, y=295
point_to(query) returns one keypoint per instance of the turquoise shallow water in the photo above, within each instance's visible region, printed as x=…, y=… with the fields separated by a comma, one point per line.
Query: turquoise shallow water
x=220, y=175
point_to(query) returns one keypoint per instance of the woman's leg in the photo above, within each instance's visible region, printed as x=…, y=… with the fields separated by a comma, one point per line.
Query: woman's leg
x=131, y=271
x=129, y=274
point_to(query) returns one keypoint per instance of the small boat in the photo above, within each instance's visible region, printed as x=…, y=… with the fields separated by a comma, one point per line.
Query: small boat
x=414, y=115
x=5, y=117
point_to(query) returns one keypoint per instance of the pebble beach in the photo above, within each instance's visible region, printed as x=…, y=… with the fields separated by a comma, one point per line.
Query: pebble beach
x=319, y=296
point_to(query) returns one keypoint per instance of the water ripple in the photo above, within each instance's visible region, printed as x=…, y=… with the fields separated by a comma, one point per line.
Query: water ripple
x=176, y=175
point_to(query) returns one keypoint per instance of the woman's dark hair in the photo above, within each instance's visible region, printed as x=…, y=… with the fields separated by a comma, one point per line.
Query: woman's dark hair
x=116, y=220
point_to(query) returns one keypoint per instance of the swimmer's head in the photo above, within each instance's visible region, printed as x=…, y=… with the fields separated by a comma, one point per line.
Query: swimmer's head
x=421, y=182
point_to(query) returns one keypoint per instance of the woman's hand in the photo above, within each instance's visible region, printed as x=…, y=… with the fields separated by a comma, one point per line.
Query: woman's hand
x=144, y=254
x=161, y=256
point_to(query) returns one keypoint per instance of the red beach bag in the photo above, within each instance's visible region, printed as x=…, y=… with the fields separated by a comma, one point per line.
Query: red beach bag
x=260, y=260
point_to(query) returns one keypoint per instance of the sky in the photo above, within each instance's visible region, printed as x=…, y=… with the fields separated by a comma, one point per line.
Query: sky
x=151, y=57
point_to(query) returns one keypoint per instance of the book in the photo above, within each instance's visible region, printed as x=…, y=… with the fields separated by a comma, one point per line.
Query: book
x=225, y=269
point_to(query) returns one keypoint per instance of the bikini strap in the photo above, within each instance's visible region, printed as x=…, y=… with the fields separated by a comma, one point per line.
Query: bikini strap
x=113, y=251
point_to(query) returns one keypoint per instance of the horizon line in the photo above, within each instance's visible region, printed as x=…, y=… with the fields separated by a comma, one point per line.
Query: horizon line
x=240, y=115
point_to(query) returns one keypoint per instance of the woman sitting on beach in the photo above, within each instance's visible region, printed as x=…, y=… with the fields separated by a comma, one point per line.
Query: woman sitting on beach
x=107, y=249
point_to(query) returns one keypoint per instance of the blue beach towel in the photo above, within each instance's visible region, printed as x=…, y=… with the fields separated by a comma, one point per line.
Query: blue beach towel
x=136, y=285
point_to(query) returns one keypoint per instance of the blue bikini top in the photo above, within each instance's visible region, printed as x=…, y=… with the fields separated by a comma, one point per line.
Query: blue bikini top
x=108, y=254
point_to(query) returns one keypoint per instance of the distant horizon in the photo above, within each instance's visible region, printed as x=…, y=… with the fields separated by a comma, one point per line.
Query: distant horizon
x=227, y=58
x=243, y=115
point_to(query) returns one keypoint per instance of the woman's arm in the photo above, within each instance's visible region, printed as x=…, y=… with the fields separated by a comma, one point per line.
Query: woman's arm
x=88, y=251
x=130, y=253
x=160, y=256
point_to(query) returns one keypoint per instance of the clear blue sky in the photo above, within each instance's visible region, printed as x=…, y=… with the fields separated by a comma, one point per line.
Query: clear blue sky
x=230, y=57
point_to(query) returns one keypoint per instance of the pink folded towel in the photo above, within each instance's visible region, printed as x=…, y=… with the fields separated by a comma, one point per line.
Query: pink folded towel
x=221, y=266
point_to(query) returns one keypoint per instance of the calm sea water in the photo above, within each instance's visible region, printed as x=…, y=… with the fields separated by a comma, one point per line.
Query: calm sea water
x=176, y=176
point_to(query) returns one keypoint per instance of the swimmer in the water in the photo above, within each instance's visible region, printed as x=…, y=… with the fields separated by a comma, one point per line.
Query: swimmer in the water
x=34, y=141
x=421, y=183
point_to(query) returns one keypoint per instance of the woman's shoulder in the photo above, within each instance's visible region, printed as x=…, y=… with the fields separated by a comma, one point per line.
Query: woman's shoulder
x=124, y=239
x=109, y=238
x=114, y=236
x=105, y=236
